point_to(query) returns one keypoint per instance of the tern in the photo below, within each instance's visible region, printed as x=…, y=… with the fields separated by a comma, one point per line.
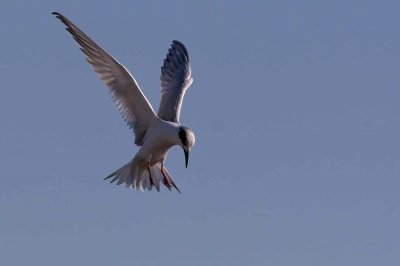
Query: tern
x=154, y=133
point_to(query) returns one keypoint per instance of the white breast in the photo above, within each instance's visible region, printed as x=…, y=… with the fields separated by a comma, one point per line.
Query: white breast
x=160, y=138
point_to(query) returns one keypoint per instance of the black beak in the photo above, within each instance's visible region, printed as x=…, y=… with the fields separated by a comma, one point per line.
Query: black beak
x=186, y=157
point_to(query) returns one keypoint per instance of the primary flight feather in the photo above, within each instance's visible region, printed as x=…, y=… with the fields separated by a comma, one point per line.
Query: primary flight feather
x=155, y=133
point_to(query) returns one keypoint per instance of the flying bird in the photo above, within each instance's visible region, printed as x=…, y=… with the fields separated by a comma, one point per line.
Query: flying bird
x=154, y=133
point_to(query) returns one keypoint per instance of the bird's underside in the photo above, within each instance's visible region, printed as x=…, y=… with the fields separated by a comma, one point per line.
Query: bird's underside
x=141, y=174
x=151, y=177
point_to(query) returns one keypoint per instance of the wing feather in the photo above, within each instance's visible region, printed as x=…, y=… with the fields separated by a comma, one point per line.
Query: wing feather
x=131, y=102
x=176, y=77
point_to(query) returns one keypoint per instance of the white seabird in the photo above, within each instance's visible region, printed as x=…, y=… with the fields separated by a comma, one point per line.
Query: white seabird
x=154, y=133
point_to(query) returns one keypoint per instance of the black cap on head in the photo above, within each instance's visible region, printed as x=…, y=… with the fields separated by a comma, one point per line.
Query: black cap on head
x=183, y=135
x=187, y=139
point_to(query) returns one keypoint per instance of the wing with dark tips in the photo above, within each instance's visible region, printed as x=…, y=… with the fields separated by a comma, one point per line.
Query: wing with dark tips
x=133, y=105
x=176, y=77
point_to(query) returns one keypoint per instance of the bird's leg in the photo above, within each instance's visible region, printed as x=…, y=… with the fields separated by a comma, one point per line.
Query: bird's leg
x=150, y=176
x=165, y=179
x=168, y=181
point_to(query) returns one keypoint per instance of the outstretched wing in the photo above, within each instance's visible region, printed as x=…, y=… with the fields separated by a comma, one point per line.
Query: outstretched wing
x=135, y=108
x=176, y=77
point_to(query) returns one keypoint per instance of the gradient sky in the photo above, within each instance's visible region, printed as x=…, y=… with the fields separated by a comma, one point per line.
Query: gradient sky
x=295, y=106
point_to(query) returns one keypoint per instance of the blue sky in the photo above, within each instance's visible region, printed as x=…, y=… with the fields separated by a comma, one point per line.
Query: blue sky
x=295, y=109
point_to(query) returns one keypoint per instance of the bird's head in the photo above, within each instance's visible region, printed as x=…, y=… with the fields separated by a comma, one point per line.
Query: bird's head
x=187, y=139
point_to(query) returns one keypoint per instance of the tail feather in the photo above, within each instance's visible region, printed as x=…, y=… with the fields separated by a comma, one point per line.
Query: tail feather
x=130, y=176
x=155, y=180
x=118, y=174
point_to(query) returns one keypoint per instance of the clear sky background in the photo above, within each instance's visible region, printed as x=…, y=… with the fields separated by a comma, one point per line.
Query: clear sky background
x=295, y=106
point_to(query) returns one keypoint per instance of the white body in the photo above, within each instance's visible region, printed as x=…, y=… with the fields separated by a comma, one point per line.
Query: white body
x=156, y=146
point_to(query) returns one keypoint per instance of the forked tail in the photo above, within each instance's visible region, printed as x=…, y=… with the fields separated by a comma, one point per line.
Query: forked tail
x=145, y=180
